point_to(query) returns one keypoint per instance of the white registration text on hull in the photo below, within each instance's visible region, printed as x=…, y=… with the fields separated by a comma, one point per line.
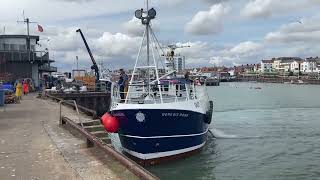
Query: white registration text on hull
x=175, y=115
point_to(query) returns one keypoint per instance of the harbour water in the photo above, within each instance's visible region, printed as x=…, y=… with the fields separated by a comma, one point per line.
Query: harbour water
x=268, y=133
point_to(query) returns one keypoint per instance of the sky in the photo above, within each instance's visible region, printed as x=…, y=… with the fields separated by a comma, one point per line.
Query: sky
x=219, y=32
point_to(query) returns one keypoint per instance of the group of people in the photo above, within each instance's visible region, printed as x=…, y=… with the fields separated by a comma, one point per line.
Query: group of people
x=22, y=88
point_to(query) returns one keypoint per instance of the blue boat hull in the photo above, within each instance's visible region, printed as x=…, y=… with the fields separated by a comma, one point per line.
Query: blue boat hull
x=158, y=133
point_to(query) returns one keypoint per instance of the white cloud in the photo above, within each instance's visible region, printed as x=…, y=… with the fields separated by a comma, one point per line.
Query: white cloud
x=208, y=22
x=134, y=27
x=44, y=10
x=117, y=44
x=308, y=31
x=295, y=39
x=203, y=53
x=246, y=49
x=267, y=8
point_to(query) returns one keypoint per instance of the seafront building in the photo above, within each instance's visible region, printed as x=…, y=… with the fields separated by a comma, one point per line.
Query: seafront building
x=266, y=65
x=291, y=64
x=20, y=59
x=311, y=65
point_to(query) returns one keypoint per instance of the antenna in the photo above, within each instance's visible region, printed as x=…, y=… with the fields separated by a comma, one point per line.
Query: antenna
x=23, y=14
x=27, y=21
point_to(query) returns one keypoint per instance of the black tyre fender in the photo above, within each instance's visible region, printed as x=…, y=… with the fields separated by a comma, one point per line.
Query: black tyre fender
x=209, y=113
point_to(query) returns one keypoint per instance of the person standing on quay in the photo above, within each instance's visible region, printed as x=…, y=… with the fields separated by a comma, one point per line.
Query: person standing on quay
x=19, y=91
x=25, y=88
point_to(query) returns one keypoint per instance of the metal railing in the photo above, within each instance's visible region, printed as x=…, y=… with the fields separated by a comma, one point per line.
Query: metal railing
x=23, y=56
x=77, y=109
x=48, y=68
x=169, y=93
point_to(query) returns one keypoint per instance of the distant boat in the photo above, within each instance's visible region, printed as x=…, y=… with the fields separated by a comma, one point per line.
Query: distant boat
x=300, y=82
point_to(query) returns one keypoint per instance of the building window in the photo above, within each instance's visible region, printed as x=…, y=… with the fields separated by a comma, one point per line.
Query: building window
x=22, y=47
x=14, y=47
x=6, y=47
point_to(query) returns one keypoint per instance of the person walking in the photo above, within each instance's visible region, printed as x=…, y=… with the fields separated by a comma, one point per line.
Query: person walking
x=19, y=91
x=25, y=88
x=122, y=84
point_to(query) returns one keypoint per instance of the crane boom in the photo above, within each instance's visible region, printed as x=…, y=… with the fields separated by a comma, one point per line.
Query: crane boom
x=94, y=66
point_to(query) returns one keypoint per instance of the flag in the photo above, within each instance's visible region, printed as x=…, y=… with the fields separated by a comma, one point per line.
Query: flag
x=40, y=29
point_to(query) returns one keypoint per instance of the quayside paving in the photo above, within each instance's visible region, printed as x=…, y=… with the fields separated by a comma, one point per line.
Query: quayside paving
x=33, y=146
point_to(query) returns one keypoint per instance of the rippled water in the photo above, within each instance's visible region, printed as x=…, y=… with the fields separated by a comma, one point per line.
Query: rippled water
x=269, y=133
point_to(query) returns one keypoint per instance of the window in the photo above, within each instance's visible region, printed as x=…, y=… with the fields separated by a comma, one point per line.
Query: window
x=22, y=47
x=6, y=47
x=14, y=47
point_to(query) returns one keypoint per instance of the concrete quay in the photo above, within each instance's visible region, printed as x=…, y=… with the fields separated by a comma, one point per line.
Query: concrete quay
x=33, y=146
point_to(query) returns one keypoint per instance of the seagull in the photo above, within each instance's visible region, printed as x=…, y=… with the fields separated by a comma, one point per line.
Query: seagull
x=299, y=21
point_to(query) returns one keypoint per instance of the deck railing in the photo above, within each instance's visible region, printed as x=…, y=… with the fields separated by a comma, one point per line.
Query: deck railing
x=48, y=68
x=20, y=56
x=169, y=93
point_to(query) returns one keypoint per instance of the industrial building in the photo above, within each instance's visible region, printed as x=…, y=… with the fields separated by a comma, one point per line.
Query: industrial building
x=19, y=58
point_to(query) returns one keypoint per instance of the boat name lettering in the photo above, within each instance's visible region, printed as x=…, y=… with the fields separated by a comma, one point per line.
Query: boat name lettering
x=119, y=114
x=175, y=115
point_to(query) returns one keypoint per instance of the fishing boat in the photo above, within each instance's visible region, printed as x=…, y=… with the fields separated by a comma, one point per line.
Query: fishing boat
x=161, y=118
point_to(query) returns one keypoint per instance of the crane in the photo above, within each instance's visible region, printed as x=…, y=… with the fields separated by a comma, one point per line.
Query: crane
x=95, y=65
x=169, y=57
x=173, y=47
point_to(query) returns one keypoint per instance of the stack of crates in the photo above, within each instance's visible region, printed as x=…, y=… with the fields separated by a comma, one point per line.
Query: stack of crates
x=88, y=81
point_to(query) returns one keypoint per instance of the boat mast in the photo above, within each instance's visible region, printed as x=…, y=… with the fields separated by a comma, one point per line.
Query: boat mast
x=146, y=16
x=148, y=48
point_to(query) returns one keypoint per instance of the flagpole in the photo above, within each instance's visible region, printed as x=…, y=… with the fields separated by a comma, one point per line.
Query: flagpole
x=27, y=21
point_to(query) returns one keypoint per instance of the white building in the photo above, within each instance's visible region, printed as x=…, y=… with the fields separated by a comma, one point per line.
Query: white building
x=266, y=65
x=310, y=65
x=178, y=62
x=287, y=64
x=295, y=66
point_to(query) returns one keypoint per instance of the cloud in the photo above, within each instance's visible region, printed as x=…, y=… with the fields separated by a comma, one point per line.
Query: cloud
x=308, y=31
x=134, y=27
x=267, y=8
x=295, y=39
x=77, y=1
x=61, y=10
x=205, y=54
x=215, y=1
x=242, y=53
x=208, y=22
x=246, y=49
x=117, y=44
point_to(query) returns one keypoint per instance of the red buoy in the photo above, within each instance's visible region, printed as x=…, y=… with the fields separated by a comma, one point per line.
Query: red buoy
x=110, y=123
